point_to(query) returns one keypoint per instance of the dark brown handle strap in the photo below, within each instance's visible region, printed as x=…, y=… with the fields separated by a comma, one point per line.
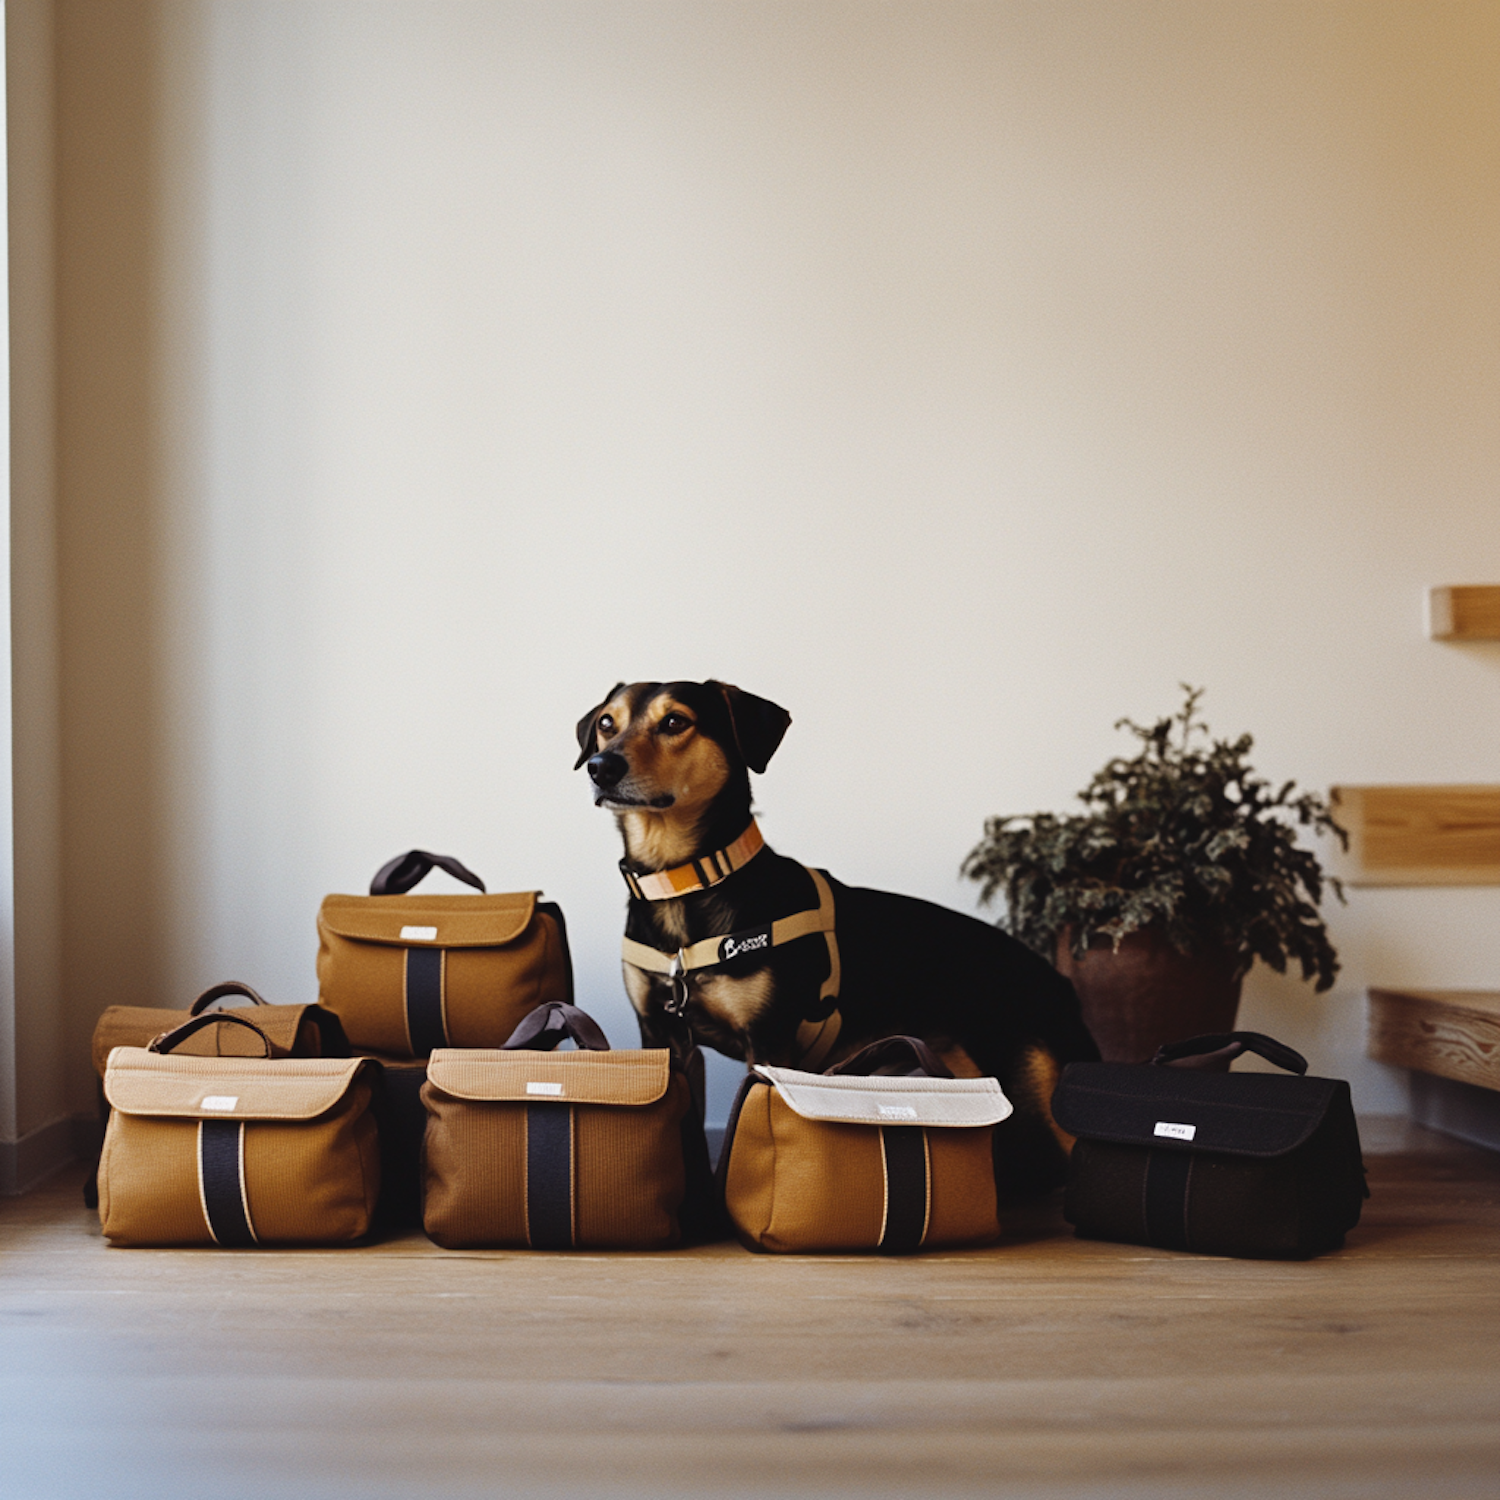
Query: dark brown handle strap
x=398, y=876
x=219, y=991
x=895, y=1057
x=549, y=1024
x=1220, y=1048
x=174, y=1038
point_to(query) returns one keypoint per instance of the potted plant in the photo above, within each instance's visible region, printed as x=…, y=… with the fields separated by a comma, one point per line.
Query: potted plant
x=1182, y=870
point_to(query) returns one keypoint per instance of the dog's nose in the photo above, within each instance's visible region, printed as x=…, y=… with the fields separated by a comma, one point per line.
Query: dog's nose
x=607, y=769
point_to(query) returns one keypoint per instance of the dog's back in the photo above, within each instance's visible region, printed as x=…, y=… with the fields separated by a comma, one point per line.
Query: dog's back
x=913, y=967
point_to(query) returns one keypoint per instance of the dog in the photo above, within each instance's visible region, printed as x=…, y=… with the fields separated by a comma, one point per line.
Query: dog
x=758, y=957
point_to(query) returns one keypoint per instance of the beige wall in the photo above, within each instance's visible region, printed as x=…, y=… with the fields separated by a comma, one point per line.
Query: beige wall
x=34, y=1071
x=962, y=376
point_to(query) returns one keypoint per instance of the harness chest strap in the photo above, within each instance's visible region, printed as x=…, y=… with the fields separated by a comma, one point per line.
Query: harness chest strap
x=709, y=953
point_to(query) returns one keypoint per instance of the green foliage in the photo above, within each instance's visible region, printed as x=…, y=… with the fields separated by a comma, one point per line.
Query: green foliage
x=1183, y=837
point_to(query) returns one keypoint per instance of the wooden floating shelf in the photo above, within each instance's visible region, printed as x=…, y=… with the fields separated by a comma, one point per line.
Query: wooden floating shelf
x=1419, y=835
x=1451, y=1033
x=1464, y=612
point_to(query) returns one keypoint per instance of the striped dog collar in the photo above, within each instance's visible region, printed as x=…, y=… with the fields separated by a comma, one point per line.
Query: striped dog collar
x=697, y=874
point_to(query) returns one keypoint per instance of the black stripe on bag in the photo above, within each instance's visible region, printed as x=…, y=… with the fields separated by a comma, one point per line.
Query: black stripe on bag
x=221, y=1162
x=1166, y=1191
x=425, y=1026
x=549, y=1176
x=906, y=1191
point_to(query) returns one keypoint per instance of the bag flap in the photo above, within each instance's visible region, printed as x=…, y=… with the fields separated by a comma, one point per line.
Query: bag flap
x=491, y=1076
x=137, y=1082
x=1242, y=1114
x=441, y=921
x=890, y=1101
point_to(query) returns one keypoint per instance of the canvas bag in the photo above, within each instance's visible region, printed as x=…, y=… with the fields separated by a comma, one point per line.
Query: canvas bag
x=848, y=1160
x=236, y=1151
x=528, y=1147
x=1177, y=1155
x=291, y=1030
x=406, y=974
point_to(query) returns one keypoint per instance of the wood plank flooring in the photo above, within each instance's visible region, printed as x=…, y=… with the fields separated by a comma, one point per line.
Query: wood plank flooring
x=1046, y=1367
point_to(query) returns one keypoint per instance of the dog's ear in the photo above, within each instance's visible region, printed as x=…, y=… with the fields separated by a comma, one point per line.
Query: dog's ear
x=588, y=727
x=758, y=724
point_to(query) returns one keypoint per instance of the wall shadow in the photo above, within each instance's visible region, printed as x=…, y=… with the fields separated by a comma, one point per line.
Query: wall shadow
x=109, y=513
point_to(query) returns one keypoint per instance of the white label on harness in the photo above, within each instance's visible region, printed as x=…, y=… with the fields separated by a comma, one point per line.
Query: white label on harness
x=418, y=934
x=544, y=1088
x=221, y=1101
x=897, y=1112
x=730, y=949
x=1176, y=1132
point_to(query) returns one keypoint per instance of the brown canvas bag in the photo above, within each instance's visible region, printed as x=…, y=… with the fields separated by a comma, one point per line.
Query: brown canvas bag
x=291, y=1030
x=236, y=1151
x=850, y=1161
x=405, y=974
x=532, y=1148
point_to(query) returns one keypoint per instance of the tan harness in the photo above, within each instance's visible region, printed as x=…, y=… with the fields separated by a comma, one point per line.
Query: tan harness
x=815, y=1038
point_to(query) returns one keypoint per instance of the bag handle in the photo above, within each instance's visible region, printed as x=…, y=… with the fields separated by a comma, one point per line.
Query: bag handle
x=168, y=1040
x=895, y=1057
x=219, y=991
x=548, y=1024
x=398, y=876
x=1214, y=1052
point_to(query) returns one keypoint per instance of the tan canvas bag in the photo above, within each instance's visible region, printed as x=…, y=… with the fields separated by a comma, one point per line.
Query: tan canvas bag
x=236, y=1151
x=291, y=1030
x=846, y=1161
x=405, y=974
x=532, y=1148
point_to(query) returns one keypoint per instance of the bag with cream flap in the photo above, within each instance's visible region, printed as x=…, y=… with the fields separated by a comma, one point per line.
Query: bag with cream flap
x=887, y=1152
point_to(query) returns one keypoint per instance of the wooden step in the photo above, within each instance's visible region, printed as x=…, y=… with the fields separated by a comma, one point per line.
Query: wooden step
x=1449, y=1033
x=1418, y=835
x=1464, y=612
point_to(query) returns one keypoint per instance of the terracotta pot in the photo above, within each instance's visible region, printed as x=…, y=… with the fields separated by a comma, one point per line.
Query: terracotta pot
x=1148, y=993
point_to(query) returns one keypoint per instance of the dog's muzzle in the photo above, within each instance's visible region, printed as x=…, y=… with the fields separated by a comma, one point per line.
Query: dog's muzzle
x=607, y=769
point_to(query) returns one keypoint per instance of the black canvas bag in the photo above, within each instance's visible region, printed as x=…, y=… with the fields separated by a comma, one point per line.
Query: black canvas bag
x=1176, y=1155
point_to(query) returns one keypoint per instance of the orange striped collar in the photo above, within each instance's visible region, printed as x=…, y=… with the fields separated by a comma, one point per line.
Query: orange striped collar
x=697, y=874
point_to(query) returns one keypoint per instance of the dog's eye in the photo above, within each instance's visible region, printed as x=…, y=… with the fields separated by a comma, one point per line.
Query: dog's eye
x=675, y=724
x=606, y=724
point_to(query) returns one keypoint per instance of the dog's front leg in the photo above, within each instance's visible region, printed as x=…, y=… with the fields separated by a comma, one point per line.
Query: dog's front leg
x=648, y=996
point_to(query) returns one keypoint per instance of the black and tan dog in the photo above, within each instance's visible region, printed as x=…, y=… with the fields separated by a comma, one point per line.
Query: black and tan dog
x=770, y=962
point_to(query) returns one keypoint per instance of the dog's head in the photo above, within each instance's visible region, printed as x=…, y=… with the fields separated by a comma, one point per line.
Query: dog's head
x=675, y=746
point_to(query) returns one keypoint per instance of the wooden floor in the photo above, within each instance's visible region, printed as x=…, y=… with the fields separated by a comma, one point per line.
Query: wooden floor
x=1046, y=1367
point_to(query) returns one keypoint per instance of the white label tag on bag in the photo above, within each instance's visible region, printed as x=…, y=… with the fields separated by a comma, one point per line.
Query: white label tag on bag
x=1176, y=1132
x=544, y=1088
x=418, y=934
x=897, y=1112
x=221, y=1101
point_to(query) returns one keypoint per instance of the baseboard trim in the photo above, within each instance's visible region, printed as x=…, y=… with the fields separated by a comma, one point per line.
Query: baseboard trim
x=1460, y=1109
x=35, y=1157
